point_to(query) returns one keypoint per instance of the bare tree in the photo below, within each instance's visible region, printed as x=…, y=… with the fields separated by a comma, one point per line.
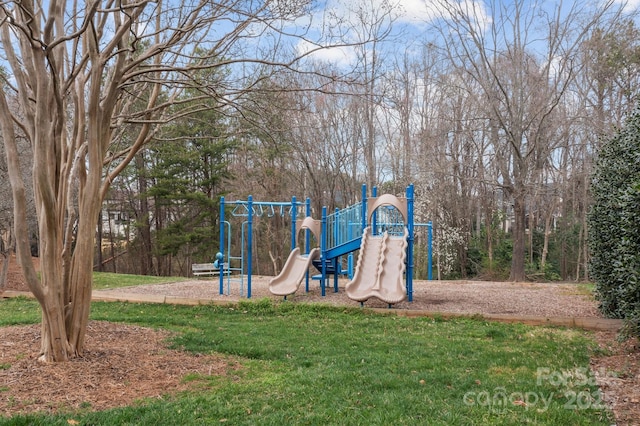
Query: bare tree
x=522, y=57
x=607, y=91
x=372, y=23
x=84, y=75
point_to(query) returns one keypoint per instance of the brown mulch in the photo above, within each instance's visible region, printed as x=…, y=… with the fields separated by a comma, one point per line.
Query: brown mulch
x=121, y=364
x=617, y=372
x=124, y=363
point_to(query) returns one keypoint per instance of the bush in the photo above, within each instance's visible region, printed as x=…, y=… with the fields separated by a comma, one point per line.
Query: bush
x=614, y=231
x=478, y=256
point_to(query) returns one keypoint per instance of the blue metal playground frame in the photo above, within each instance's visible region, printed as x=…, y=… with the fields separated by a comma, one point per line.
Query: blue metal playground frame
x=341, y=234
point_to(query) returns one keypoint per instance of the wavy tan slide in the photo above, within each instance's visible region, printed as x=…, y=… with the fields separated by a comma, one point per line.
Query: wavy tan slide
x=380, y=268
x=289, y=279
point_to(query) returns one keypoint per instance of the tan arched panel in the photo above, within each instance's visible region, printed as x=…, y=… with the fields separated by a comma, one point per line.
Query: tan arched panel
x=312, y=225
x=386, y=200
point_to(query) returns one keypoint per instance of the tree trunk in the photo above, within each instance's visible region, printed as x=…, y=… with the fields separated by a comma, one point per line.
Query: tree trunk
x=547, y=234
x=530, y=225
x=579, y=260
x=144, y=227
x=81, y=276
x=5, y=269
x=99, y=235
x=518, y=234
x=489, y=230
x=545, y=245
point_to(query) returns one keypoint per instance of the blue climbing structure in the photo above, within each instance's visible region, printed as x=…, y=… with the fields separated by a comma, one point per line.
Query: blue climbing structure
x=340, y=236
x=237, y=267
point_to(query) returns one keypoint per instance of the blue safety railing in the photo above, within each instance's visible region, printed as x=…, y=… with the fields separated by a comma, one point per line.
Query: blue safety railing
x=344, y=230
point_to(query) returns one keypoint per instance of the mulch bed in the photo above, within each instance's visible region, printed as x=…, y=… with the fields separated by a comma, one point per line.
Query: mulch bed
x=122, y=363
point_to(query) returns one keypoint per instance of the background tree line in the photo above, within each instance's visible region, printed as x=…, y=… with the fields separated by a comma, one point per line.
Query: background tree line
x=498, y=133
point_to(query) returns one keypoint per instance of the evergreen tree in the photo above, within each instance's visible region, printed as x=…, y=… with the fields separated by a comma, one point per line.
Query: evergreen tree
x=186, y=184
x=614, y=224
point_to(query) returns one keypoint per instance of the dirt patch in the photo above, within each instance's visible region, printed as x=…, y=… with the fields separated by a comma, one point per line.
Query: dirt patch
x=124, y=363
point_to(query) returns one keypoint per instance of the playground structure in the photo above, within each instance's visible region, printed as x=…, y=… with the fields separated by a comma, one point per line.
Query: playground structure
x=297, y=265
x=238, y=268
x=381, y=262
x=382, y=228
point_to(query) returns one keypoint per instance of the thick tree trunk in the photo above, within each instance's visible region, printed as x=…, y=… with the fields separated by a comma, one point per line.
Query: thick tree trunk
x=81, y=276
x=54, y=343
x=545, y=246
x=489, y=228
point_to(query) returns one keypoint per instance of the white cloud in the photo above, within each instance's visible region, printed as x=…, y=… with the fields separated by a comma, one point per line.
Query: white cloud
x=338, y=55
x=629, y=5
x=340, y=21
x=417, y=12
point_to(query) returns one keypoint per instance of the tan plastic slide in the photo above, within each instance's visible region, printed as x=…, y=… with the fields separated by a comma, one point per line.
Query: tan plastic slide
x=289, y=279
x=380, y=268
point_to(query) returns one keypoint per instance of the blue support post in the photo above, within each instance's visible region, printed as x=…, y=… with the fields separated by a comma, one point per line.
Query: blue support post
x=350, y=256
x=294, y=216
x=307, y=240
x=410, y=229
x=364, y=208
x=323, y=249
x=374, y=218
x=337, y=268
x=336, y=273
x=249, y=244
x=222, y=244
x=429, y=250
x=350, y=265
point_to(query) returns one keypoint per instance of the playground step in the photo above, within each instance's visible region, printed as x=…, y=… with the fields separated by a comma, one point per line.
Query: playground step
x=329, y=268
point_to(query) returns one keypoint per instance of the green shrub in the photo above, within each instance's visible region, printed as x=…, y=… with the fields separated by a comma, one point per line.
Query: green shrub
x=614, y=223
x=478, y=263
x=534, y=272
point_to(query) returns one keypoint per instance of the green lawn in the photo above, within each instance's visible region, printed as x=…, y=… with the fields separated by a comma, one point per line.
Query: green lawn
x=312, y=365
x=105, y=280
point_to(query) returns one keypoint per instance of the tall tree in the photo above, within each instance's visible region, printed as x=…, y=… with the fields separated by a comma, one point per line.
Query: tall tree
x=188, y=164
x=606, y=89
x=522, y=58
x=84, y=72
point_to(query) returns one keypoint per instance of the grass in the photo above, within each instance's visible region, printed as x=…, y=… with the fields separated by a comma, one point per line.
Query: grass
x=321, y=365
x=105, y=280
x=581, y=289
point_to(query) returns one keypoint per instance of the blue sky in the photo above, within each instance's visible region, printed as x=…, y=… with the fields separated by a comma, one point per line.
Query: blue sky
x=410, y=18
